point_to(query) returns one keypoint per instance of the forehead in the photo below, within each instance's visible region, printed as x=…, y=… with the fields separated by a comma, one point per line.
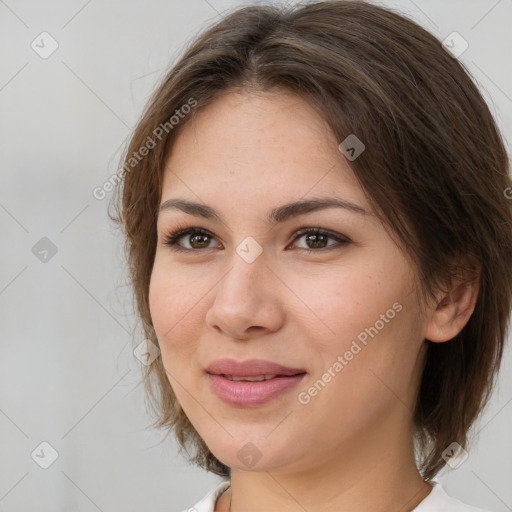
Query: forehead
x=258, y=143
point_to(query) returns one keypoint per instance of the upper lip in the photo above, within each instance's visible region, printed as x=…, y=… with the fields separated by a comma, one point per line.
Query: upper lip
x=250, y=368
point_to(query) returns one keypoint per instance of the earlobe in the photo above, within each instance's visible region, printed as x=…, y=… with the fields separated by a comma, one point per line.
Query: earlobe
x=453, y=310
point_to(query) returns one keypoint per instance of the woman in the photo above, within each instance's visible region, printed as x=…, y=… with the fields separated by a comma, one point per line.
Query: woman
x=320, y=245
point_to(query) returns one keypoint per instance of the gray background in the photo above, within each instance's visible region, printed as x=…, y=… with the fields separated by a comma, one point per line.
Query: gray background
x=68, y=375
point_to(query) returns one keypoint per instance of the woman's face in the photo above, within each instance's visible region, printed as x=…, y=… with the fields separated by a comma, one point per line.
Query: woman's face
x=345, y=313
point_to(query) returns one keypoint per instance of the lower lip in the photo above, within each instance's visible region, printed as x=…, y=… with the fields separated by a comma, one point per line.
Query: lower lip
x=246, y=393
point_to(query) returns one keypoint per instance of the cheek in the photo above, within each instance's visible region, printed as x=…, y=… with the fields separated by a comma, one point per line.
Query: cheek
x=341, y=305
x=172, y=314
x=173, y=305
x=160, y=299
x=366, y=315
x=377, y=335
x=173, y=295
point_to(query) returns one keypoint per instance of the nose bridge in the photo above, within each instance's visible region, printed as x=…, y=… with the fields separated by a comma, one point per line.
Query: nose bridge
x=245, y=297
x=247, y=271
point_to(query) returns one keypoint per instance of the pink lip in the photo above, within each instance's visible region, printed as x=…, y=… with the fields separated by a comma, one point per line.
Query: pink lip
x=250, y=368
x=247, y=393
x=244, y=394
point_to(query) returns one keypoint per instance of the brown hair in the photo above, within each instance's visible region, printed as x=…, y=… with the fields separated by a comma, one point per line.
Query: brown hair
x=435, y=170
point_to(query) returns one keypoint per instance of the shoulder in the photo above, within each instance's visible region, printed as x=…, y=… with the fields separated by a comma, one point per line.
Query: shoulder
x=439, y=501
x=207, y=502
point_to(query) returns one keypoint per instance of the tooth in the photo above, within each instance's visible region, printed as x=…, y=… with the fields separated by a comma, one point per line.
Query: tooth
x=258, y=378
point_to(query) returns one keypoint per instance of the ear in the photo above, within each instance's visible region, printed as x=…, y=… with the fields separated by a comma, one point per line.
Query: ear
x=453, y=309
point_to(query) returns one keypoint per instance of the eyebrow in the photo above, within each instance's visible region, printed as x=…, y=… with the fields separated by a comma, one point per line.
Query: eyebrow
x=277, y=215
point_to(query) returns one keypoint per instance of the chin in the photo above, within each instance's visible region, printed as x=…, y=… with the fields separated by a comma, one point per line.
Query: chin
x=256, y=453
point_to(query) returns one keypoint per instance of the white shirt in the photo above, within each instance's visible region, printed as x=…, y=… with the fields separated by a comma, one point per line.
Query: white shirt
x=436, y=501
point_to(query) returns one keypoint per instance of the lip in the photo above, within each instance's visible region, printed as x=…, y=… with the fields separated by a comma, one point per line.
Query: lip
x=245, y=393
x=250, y=368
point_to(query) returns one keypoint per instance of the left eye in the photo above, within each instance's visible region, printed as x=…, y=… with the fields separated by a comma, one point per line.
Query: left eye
x=199, y=238
x=318, y=238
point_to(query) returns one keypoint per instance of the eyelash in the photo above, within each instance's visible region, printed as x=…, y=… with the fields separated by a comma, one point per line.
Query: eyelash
x=172, y=239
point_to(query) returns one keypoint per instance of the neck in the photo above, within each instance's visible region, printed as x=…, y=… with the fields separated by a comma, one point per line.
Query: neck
x=377, y=473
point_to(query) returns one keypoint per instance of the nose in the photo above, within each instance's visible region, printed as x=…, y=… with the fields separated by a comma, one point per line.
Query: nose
x=247, y=301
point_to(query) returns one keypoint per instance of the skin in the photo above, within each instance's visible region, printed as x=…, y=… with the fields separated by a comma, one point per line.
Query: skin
x=350, y=447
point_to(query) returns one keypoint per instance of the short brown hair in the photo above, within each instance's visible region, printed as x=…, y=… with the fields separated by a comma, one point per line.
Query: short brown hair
x=435, y=170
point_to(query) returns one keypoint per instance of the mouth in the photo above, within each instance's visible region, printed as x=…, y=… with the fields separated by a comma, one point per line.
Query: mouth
x=252, y=391
x=252, y=382
x=257, y=378
x=248, y=368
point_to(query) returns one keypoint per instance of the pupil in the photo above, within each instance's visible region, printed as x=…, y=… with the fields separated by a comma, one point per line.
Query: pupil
x=315, y=244
x=204, y=242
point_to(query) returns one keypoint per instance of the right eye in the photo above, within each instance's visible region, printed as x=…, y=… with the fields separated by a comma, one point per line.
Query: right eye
x=198, y=238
